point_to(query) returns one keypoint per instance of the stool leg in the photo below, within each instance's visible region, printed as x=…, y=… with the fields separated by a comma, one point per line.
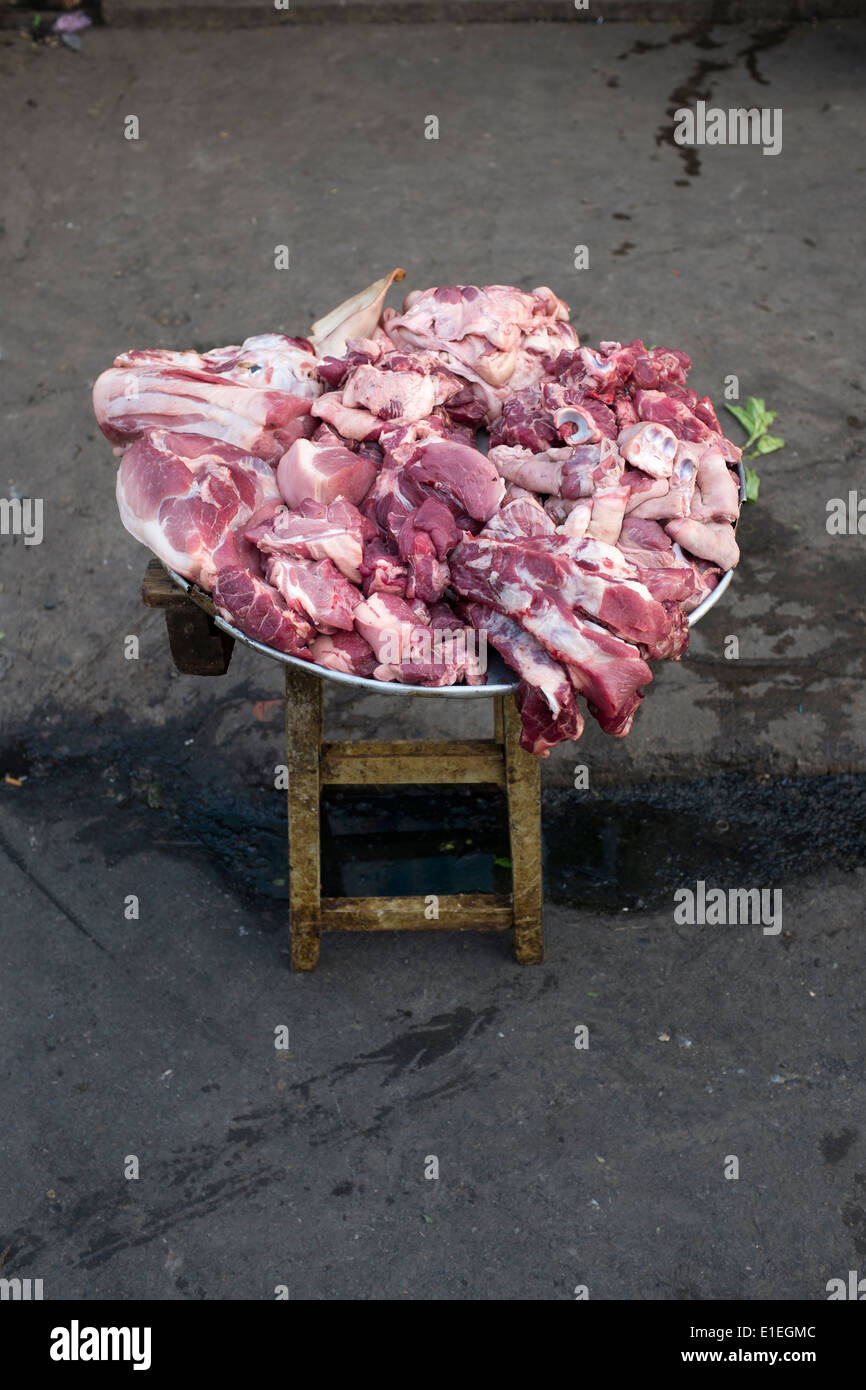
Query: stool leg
x=499, y=718
x=523, y=783
x=303, y=745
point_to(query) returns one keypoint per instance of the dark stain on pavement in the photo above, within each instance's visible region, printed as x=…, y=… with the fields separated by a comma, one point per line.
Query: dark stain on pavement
x=854, y=1214
x=206, y=1177
x=835, y=1146
x=421, y=1047
x=700, y=82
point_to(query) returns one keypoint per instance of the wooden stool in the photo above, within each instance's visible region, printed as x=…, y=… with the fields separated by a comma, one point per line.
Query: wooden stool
x=199, y=647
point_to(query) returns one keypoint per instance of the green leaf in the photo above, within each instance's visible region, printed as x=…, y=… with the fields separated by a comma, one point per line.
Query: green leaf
x=761, y=410
x=742, y=415
x=767, y=444
x=428, y=1219
x=503, y=861
x=753, y=485
x=756, y=419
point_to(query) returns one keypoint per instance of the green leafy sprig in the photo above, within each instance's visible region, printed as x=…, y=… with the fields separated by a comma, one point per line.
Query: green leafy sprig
x=756, y=420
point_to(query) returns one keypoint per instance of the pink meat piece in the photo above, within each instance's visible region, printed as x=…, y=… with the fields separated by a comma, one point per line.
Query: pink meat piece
x=660, y=565
x=391, y=499
x=685, y=394
x=426, y=537
x=706, y=577
x=585, y=422
x=522, y=516
x=525, y=424
x=541, y=472
x=420, y=526
x=717, y=490
x=643, y=535
x=643, y=488
x=317, y=532
x=440, y=614
x=569, y=515
x=332, y=371
x=623, y=408
x=301, y=428
x=650, y=447
x=259, y=610
x=593, y=555
x=592, y=468
x=602, y=370
x=684, y=423
x=611, y=368
x=677, y=501
x=406, y=650
x=495, y=337
x=705, y=410
x=323, y=472
x=655, y=368
x=349, y=422
x=607, y=670
x=392, y=386
x=432, y=519
x=317, y=588
x=608, y=510
x=708, y=540
x=383, y=571
x=268, y=360
x=383, y=618
x=460, y=473
x=549, y=711
x=399, y=441
x=402, y=386
x=576, y=522
x=192, y=394
x=185, y=497
x=592, y=578
x=469, y=646
x=570, y=472
x=544, y=416
x=344, y=651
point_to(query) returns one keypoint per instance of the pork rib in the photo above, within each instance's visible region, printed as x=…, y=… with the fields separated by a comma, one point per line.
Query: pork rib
x=524, y=584
x=546, y=700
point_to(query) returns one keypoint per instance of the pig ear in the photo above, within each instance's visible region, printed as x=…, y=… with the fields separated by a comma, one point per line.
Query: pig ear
x=354, y=318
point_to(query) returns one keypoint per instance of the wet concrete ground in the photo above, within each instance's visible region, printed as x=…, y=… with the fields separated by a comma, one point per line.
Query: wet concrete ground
x=155, y=1037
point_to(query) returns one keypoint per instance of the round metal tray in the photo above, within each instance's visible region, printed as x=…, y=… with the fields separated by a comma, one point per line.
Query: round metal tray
x=500, y=677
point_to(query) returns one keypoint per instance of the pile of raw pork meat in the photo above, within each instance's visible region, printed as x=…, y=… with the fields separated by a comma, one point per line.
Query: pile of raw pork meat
x=462, y=464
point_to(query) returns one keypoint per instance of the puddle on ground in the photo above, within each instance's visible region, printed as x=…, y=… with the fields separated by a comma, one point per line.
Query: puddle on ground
x=630, y=847
x=604, y=851
x=620, y=848
x=700, y=84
